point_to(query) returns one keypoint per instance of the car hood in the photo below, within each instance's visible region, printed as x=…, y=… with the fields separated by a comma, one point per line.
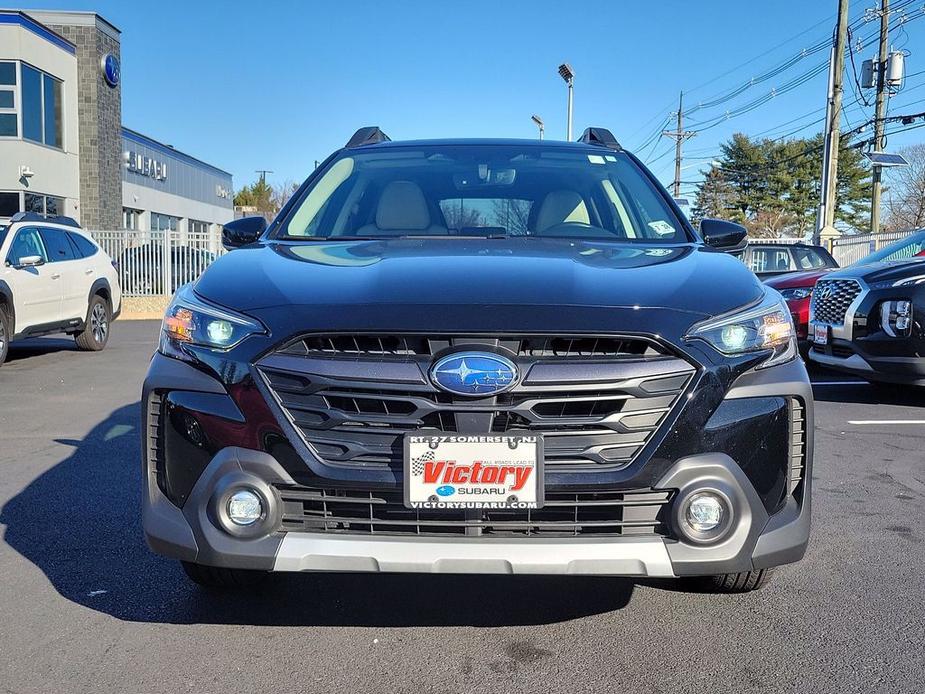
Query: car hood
x=483, y=272
x=884, y=271
x=797, y=279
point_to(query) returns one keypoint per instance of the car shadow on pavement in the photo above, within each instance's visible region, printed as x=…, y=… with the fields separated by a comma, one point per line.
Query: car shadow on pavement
x=871, y=394
x=37, y=346
x=79, y=523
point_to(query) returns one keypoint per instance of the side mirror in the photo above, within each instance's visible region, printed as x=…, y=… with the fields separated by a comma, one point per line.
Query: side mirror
x=30, y=261
x=724, y=236
x=242, y=232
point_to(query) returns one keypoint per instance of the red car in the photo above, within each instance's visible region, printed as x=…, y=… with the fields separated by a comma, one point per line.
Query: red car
x=796, y=288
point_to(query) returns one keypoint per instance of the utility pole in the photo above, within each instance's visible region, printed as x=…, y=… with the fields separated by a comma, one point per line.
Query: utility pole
x=879, y=113
x=826, y=219
x=679, y=135
x=263, y=175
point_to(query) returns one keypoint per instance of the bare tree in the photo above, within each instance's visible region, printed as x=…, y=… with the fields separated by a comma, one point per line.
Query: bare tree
x=905, y=196
x=282, y=193
x=461, y=217
x=510, y=214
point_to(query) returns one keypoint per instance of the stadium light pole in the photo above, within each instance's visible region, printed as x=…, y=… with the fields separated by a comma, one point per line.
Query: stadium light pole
x=539, y=123
x=565, y=72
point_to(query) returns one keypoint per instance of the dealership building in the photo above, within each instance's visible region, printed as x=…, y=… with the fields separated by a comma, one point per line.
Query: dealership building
x=63, y=148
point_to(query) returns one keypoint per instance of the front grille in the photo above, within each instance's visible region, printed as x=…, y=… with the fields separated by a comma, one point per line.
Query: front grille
x=831, y=299
x=634, y=512
x=797, y=444
x=382, y=345
x=355, y=411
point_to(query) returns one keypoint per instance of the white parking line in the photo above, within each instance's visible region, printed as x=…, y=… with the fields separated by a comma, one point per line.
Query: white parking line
x=886, y=421
x=839, y=383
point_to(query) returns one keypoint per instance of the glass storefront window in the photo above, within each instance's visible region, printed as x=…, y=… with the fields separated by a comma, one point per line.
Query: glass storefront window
x=9, y=126
x=196, y=227
x=131, y=219
x=41, y=108
x=9, y=204
x=49, y=205
x=52, y=104
x=31, y=104
x=164, y=222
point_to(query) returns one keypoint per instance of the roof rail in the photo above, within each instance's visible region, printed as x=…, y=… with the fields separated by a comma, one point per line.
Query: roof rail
x=601, y=137
x=48, y=219
x=368, y=136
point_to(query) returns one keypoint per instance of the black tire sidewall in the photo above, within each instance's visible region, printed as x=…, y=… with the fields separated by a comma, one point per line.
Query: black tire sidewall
x=5, y=324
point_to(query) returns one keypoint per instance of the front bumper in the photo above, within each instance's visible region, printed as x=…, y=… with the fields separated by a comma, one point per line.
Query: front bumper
x=191, y=534
x=764, y=534
x=861, y=347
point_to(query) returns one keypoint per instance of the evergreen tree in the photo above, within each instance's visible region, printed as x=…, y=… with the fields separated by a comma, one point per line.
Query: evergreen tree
x=772, y=186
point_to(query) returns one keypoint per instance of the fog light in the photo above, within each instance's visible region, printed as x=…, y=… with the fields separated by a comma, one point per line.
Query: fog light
x=245, y=507
x=705, y=512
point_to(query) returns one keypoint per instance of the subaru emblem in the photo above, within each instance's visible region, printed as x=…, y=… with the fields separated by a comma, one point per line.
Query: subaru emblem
x=474, y=373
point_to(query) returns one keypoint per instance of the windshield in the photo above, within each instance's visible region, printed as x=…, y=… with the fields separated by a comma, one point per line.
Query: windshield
x=913, y=246
x=484, y=190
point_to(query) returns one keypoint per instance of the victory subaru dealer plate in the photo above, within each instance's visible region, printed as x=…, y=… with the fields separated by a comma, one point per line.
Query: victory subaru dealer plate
x=451, y=471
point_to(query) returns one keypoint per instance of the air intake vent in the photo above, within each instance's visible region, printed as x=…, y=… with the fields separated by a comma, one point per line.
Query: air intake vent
x=797, y=444
x=155, y=437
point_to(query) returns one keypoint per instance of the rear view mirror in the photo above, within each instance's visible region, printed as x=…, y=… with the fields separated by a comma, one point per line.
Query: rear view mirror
x=241, y=232
x=724, y=236
x=30, y=261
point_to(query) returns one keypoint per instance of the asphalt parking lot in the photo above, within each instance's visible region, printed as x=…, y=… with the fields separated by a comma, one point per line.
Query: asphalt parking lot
x=84, y=606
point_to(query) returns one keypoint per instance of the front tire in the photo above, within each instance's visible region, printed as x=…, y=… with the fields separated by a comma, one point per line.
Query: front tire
x=5, y=335
x=742, y=582
x=220, y=577
x=95, y=334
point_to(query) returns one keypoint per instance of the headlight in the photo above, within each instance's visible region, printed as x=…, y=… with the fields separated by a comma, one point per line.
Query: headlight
x=896, y=317
x=766, y=326
x=795, y=293
x=191, y=321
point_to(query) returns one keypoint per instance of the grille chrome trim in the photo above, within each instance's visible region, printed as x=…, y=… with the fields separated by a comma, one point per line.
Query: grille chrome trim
x=404, y=345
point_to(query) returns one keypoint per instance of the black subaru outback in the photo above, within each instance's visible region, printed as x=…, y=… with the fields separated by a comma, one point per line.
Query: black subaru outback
x=482, y=356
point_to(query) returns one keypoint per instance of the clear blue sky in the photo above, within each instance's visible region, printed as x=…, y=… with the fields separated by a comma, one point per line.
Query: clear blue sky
x=277, y=85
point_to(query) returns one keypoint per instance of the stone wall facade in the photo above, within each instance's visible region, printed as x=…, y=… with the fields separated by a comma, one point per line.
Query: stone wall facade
x=100, y=127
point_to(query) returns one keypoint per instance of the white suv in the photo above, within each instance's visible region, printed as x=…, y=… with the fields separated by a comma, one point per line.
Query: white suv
x=55, y=279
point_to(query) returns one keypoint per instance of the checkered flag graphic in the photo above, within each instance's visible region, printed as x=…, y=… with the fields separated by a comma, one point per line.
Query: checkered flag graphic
x=417, y=464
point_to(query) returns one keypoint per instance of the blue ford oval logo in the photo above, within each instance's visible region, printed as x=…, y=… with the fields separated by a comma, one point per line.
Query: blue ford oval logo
x=474, y=373
x=446, y=490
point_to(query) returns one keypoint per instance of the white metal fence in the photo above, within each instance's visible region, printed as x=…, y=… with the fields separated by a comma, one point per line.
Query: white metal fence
x=850, y=249
x=140, y=257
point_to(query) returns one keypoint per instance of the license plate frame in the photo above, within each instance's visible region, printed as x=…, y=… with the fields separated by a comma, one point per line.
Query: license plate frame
x=477, y=455
x=820, y=333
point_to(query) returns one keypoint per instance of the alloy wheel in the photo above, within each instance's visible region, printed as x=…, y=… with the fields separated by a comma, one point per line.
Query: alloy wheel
x=99, y=324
